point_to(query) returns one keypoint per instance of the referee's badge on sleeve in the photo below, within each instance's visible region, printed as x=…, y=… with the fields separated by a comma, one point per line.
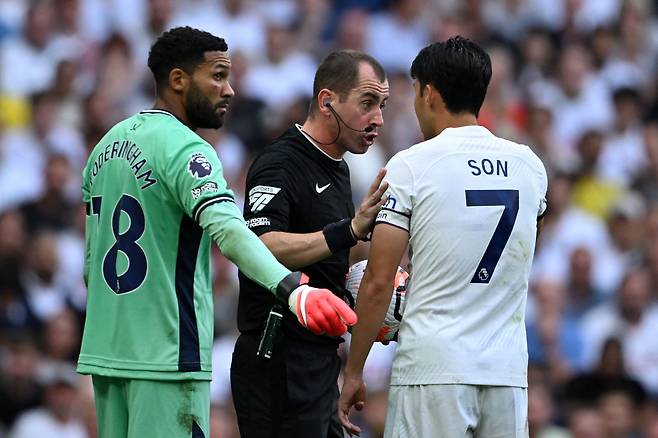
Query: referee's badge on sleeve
x=260, y=196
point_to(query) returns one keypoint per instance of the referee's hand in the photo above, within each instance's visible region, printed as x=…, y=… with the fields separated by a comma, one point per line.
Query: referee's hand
x=370, y=206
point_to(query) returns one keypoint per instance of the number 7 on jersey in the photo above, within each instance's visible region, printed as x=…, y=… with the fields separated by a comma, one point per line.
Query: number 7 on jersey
x=489, y=198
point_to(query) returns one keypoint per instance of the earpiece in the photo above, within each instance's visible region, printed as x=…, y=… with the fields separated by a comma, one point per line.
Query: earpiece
x=327, y=104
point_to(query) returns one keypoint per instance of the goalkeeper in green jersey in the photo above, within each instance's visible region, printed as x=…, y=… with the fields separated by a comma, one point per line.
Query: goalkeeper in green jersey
x=155, y=197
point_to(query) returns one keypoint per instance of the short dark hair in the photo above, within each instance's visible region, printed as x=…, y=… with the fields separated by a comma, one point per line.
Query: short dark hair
x=459, y=69
x=339, y=72
x=181, y=47
x=626, y=94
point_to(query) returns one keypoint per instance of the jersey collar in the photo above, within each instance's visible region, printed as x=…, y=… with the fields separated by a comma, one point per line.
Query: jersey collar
x=166, y=113
x=470, y=130
x=156, y=111
x=301, y=131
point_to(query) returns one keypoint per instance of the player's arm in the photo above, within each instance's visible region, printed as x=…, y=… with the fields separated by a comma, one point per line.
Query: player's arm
x=387, y=248
x=540, y=226
x=543, y=204
x=389, y=241
x=193, y=174
x=224, y=223
x=541, y=213
x=319, y=310
x=375, y=292
x=295, y=250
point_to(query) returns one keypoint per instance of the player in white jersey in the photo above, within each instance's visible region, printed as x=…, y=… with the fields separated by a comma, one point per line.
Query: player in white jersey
x=469, y=204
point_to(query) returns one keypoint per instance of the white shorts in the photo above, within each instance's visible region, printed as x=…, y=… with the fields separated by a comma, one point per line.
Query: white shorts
x=457, y=411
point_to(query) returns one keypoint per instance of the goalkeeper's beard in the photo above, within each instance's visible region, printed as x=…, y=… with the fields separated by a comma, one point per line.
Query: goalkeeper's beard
x=200, y=110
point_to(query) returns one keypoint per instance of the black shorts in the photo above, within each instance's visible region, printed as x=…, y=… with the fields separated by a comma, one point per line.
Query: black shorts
x=292, y=395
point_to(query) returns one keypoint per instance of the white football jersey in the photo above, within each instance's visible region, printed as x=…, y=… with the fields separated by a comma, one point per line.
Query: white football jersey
x=470, y=202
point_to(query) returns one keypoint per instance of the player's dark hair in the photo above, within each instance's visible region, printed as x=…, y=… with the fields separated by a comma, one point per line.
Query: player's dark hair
x=339, y=72
x=460, y=71
x=181, y=47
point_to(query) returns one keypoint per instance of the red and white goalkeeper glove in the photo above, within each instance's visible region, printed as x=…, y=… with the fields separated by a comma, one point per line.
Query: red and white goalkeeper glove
x=319, y=310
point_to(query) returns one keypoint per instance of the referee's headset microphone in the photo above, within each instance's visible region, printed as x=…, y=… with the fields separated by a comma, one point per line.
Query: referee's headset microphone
x=340, y=120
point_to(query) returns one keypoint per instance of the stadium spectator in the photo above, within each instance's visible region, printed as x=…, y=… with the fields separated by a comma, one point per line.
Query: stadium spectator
x=13, y=238
x=60, y=337
x=45, y=289
x=578, y=101
x=633, y=319
x=592, y=193
x=566, y=228
x=582, y=294
x=395, y=35
x=623, y=155
x=29, y=59
x=585, y=422
x=118, y=76
x=65, y=91
x=43, y=137
x=243, y=26
x=586, y=388
x=57, y=418
x=621, y=414
x=52, y=210
x=19, y=389
x=249, y=118
x=351, y=32
x=553, y=337
x=503, y=111
x=625, y=246
x=646, y=182
x=538, y=132
x=542, y=413
x=284, y=74
x=536, y=59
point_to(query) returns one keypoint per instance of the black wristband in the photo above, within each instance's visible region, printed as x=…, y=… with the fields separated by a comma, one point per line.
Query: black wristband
x=289, y=283
x=339, y=235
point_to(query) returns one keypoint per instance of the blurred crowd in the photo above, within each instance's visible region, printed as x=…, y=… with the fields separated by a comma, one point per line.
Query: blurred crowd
x=576, y=80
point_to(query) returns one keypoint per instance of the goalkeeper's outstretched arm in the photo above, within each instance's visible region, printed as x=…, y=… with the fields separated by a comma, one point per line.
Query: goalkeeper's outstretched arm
x=319, y=310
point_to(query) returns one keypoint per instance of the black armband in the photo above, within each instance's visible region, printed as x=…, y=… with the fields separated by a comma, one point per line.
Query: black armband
x=289, y=283
x=339, y=235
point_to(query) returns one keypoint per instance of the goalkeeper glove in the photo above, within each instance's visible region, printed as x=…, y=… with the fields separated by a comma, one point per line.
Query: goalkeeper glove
x=319, y=310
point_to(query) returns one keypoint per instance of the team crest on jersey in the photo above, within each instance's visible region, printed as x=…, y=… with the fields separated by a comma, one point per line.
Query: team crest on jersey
x=199, y=166
x=390, y=202
x=260, y=196
x=483, y=274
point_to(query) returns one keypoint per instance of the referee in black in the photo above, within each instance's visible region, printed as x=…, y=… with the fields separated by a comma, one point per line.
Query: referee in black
x=300, y=204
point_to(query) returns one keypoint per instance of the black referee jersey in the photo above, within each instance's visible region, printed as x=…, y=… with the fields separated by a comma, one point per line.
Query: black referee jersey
x=292, y=186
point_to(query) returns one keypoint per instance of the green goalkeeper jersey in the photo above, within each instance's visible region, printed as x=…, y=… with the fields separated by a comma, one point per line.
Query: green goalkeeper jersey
x=147, y=268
